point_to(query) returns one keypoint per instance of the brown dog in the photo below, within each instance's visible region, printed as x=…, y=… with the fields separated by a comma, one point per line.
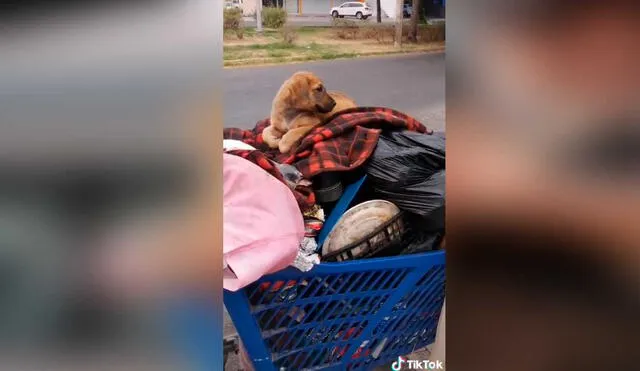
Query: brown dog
x=301, y=104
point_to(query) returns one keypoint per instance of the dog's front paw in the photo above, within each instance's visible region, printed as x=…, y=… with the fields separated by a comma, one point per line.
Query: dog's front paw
x=290, y=141
x=285, y=145
x=269, y=138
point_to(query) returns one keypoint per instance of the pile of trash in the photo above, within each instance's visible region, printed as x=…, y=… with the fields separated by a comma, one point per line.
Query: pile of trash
x=276, y=205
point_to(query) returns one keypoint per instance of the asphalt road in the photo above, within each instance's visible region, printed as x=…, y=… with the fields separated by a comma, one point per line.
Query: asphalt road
x=413, y=84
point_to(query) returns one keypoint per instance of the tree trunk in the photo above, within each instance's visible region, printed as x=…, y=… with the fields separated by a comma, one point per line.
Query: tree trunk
x=398, y=41
x=378, y=11
x=259, y=16
x=415, y=15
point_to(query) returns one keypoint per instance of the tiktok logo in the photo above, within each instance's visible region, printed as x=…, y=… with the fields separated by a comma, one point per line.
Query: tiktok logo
x=413, y=364
x=397, y=365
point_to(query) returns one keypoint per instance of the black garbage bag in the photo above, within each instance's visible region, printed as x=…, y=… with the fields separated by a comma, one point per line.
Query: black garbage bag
x=408, y=169
x=418, y=237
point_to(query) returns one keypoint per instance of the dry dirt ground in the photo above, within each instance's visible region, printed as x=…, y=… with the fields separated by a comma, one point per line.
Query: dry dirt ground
x=314, y=43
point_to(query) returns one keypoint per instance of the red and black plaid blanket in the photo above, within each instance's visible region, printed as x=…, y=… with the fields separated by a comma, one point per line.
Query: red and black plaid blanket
x=345, y=142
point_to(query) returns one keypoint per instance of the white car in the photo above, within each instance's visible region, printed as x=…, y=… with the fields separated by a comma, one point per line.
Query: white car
x=352, y=9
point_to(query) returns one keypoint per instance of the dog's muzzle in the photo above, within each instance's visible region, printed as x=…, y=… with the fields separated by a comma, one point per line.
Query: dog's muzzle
x=326, y=109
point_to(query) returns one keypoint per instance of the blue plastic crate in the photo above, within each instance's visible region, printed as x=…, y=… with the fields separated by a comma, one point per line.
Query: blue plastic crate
x=340, y=316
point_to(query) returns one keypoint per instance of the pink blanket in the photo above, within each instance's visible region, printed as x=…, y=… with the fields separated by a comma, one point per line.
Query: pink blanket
x=262, y=223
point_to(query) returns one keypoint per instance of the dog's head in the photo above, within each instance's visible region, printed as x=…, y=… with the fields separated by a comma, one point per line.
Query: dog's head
x=307, y=93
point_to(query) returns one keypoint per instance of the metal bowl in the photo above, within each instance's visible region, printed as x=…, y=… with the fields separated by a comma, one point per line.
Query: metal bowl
x=357, y=223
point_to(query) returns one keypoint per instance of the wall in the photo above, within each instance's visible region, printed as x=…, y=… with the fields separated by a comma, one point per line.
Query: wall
x=388, y=7
x=291, y=6
x=316, y=7
x=249, y=7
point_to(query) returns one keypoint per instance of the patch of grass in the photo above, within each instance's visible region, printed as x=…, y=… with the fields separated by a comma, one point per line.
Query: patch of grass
x=278, y=53
x=310, y=30
x=250, y=32
x=315, y=46
x=234, y=55
x=272, y=46
x=335, y=55
x=279, y=60
x=323, y=51
x=233, y=48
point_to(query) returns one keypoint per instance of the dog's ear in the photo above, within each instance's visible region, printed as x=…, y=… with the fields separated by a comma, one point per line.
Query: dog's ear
x=291, y=98
x=286, y=94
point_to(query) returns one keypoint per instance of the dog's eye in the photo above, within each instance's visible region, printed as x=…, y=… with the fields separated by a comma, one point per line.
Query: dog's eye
x=320, y=88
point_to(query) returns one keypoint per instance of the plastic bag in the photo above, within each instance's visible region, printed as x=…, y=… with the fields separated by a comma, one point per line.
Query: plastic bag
x=408, y=169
